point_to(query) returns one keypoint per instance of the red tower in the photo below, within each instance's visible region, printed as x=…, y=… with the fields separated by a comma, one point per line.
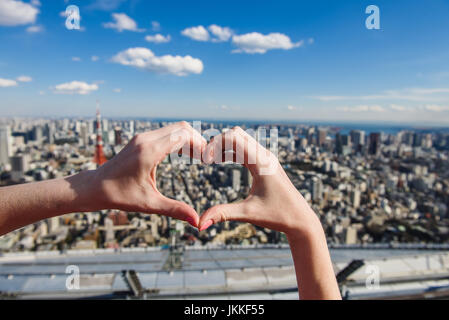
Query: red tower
x=99, y=155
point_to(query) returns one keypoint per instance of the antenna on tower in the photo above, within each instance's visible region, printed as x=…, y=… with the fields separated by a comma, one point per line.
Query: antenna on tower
x=99, y=158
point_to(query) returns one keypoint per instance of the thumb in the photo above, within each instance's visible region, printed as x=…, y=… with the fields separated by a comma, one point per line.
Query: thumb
x=222, y=213
x=176, y=209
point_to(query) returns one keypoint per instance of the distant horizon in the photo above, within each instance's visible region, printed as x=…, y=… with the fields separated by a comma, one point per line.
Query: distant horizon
x=336, y=123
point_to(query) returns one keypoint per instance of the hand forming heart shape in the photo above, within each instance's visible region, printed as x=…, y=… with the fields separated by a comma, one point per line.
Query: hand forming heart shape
x=128, y=182
x=273, y=201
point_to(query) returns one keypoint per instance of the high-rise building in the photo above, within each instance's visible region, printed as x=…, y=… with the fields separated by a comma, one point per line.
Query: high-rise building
x=84, y=134
x=109, y=227
x=355, y=198
x=374, y=143
x=338, y=143
x=357, y=139
x=322, y=135
x=316, y=189
x=118, y=136
x=131, y=127
x=50, y=132
x=236, y=176
x=53, y=224
x=5, y=144
x=19, y=165
x=247, y=177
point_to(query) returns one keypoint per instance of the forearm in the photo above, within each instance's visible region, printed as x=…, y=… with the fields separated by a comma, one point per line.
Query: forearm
x=313, y=266
x=23, y=204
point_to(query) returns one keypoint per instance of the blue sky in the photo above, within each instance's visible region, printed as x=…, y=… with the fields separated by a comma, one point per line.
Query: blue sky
x=277, y=60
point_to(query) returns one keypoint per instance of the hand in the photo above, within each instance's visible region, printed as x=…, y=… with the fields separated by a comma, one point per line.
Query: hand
x=273, y=201
x=128, y=181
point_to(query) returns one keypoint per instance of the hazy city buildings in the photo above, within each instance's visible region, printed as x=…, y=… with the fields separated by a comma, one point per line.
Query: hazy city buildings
x=365, y=186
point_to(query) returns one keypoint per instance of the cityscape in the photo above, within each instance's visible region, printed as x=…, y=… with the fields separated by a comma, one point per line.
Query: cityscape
x=352, y=98
x=379, y=185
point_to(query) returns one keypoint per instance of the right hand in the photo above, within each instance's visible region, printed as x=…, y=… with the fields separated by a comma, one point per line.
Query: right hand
x=273, y=201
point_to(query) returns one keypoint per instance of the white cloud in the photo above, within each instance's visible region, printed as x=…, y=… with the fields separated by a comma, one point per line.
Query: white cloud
x=255, y=42
x=15, y=13
x=225, y=108
x=221, y=33
x=35, y=3
x=155, y=26
x=95, y=58
x=145, y=59
x=75, y=87
x=24, y=79
x=4, y=83
x=292, y=108
x=397, y=107
x=158, y=38
x=408, y=94
x=117, y=90
x=436, y=108
x=198, y=33
x=35, y=29
x=122, y=22
x=105, y=5
x=362, y=108
x=77, y=59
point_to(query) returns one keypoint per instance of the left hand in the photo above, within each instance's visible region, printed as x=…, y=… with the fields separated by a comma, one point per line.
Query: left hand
x=128, y=181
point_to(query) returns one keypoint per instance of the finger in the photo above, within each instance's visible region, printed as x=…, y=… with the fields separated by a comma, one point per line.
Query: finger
x=175, y=209
x=243, y=146
x=162, y=132
x=222, y=213
x=187, y=141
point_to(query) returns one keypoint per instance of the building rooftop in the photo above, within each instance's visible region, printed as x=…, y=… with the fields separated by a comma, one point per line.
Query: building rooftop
x=252, y=272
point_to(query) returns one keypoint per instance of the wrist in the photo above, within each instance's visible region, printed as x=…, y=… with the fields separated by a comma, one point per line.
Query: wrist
x=87, y=188
x=306, y=224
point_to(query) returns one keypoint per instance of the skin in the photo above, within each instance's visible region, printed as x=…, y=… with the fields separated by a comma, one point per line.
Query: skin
x=276, y=204
x=128, y=182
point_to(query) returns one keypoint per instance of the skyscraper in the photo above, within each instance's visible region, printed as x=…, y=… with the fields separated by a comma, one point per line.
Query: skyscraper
x=118, y=135
x=5, y=144
x=236, y=175
x=338, y=143
x=358, y=139
x=374, y=143
x=19, y=165
x=322, y=134
x=84, y=134
x=317, y=189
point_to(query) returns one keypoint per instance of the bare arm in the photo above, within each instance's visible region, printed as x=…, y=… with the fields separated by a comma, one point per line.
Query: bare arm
x=23, y=204
x=313, y=266
x=275, y=203
x=127, y=182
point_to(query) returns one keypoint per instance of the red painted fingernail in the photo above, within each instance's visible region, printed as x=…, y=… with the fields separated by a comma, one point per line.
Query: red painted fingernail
x=191, y=221
x=206, y=225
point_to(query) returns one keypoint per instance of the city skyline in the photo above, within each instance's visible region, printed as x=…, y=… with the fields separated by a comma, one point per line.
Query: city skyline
x=283, y=62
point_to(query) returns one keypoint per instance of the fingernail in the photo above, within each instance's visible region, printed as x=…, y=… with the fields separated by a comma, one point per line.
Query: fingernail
x=206, y=225
x=191, y=221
